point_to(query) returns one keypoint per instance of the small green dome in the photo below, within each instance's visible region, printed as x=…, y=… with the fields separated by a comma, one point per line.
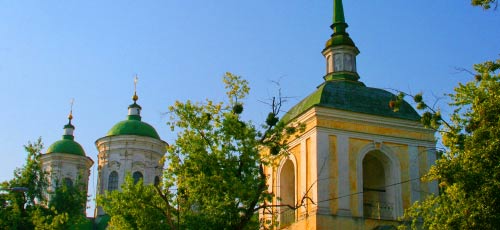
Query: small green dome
x=66, y=145
x=339, y=39
x=133, y=126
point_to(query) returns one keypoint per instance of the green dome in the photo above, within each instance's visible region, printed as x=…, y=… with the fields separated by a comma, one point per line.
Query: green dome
x=66, y=145
x=133, y=126
x=352, y=96
x=339, y=39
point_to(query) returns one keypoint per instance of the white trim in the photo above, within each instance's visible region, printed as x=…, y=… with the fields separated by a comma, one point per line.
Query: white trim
x=344, y=202
x=414, y=169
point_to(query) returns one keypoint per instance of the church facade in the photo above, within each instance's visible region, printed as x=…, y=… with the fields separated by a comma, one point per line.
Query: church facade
x=359, y=162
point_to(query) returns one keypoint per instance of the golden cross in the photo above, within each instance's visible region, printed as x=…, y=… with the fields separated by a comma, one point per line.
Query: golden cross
x=71, y=109
x=135, y=83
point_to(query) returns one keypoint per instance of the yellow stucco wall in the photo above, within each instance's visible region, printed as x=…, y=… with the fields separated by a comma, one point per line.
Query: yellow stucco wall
x=334, y=190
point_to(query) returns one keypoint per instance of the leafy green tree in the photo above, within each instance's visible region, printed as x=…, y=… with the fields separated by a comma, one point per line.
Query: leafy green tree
x=18, y=205
x=137, y=206
x=216, y=162
x=214, y=178
x=469, y=169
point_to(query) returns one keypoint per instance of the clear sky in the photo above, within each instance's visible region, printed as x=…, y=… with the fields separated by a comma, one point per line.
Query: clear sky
x=52, y=51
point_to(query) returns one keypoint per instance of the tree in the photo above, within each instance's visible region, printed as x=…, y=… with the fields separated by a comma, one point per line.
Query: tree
x=214, y=178
x=18, y=205
x=216, y=162
x=486, y=4
x=136, y=206
x=25, y=204
x=469, y=169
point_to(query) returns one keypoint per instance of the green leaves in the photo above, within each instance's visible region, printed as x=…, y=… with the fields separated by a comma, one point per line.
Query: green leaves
x=137, y=206
x=469, y=171
x=485, y=4
x=216, y=162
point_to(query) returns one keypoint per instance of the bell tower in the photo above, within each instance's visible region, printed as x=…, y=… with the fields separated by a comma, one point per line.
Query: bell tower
x=358, y=163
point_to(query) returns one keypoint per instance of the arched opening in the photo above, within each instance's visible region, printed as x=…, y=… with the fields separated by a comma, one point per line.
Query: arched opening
x=287, y=193
x=137, y=176
x=68, y=182
x=329, y=63
x=157, y=180
x=378, y=194
x=113, y=181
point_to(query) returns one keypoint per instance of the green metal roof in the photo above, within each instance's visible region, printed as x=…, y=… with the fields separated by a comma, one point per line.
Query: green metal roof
x=352, y=96
x=133, y=126
x=66, y=145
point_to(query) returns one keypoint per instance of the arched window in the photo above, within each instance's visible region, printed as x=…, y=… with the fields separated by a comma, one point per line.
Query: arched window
x=113, y=181
x=329, y=63
x=68, y=182
x=157, y=180
x=378, y=196
x=137, y=176
x=287, y=193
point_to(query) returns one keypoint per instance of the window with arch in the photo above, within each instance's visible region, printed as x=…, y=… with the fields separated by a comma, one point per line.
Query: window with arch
x=68, y=182
x=329, y=68
x=113, y=181
x=378, y=197
x=137, y=176
x=287, y=193
x=157, y=180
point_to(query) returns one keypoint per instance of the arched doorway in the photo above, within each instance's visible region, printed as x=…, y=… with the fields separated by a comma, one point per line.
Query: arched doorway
x=287, y=192
x=379, y=196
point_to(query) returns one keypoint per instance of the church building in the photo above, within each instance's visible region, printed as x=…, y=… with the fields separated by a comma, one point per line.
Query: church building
x=358, y=164
x=130, y=147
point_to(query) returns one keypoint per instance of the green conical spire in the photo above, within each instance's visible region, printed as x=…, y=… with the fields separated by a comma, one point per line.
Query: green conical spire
x=340, y=51
x=339, y=24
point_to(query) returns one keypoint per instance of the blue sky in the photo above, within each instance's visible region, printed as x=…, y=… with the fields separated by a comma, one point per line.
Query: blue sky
x=52, y=51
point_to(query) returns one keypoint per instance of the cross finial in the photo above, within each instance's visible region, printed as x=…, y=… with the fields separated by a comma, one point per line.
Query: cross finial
x=135, y=82
x=70, y=116
x=135, y=97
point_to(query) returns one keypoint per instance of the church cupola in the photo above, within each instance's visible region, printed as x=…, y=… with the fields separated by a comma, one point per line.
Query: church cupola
x=68, y=144
x=340, y=51
x=69, y=128
x=134, y=110
x=133, y=124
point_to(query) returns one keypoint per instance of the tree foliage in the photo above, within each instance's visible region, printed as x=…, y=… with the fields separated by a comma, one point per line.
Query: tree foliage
x=214, y=178
x=18, y=205
x=216, y=163
x=485, y=4
x=136, y=206
x=469, y=170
